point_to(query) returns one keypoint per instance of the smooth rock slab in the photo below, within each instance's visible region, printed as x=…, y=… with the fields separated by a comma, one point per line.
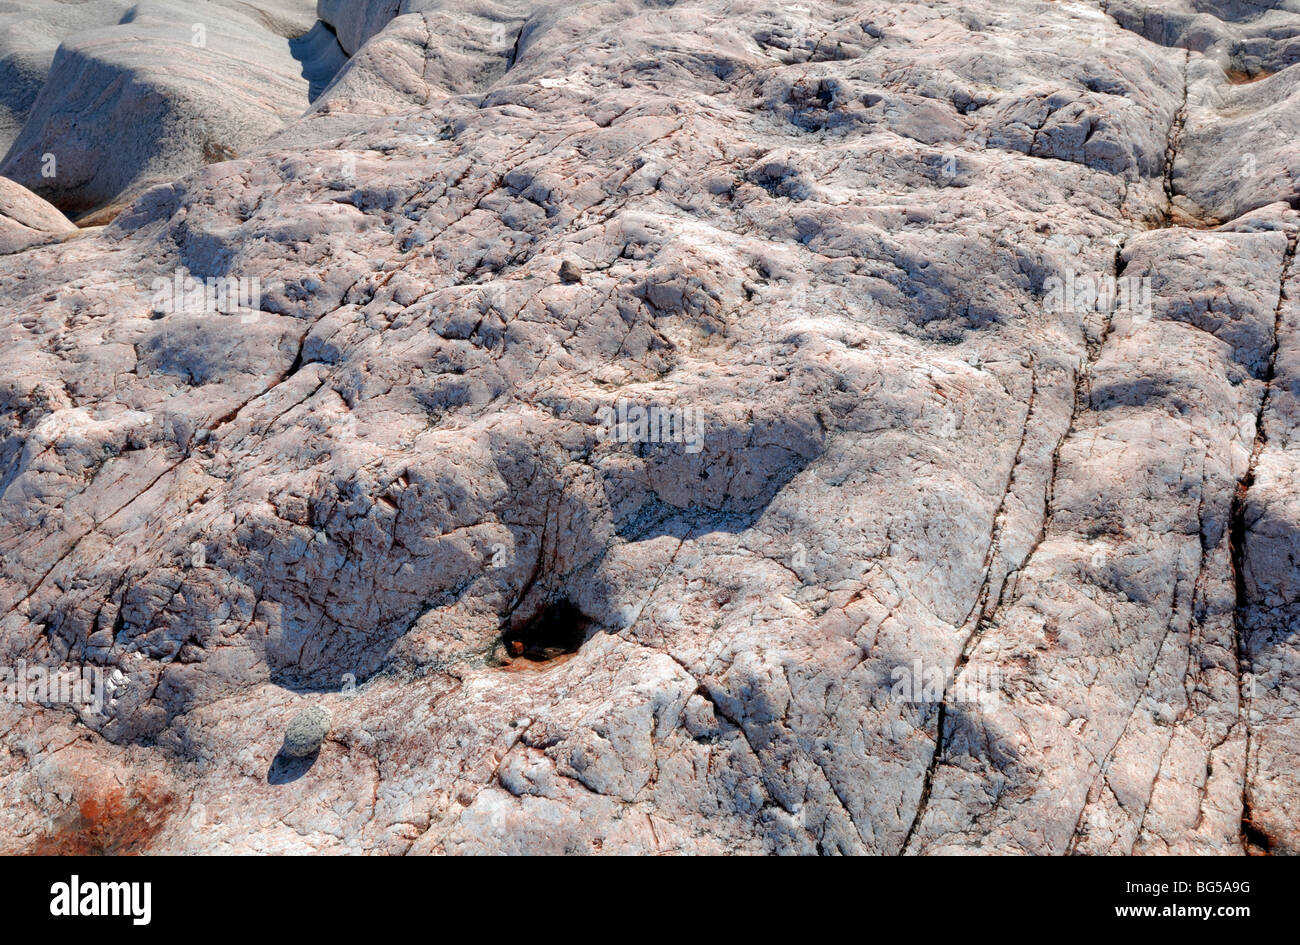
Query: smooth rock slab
x=26, y=219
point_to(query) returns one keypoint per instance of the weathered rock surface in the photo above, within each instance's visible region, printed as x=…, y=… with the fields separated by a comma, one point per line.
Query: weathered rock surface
x=1247, y=39
x=962, y=559
x=106, y=98
x=30, y=32
x=355, y=21
x=26, y=219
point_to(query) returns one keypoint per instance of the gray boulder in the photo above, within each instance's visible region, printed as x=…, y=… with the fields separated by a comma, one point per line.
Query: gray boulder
x=306, y=732
x=30, y=32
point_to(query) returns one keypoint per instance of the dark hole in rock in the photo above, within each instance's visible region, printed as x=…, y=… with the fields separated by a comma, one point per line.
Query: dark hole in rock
x=560, y=628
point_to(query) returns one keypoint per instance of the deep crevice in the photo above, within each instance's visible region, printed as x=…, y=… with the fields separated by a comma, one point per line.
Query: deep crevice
x=1173, y=141
x=1254, y=840
x=559, y=628
x=1237, y=551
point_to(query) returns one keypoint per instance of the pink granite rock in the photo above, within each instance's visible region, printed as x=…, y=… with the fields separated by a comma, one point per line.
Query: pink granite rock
x=26, y=219
x=707, y=427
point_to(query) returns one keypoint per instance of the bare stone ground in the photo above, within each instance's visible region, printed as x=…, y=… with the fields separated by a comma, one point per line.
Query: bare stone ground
x=968, y=523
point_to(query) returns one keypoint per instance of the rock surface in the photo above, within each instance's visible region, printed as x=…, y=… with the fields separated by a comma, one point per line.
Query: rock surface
x=26, y=219
x=355, y=21
x=106, y=98
x=968, y=522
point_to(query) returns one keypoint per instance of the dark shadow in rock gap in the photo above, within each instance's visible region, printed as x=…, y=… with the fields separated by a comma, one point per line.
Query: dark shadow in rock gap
x=321, y=56
x=559, y=628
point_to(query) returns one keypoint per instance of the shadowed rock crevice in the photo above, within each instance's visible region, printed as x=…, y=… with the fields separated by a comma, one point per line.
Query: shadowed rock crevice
x=558, y=629
x=321, y=56
x=1260, y=630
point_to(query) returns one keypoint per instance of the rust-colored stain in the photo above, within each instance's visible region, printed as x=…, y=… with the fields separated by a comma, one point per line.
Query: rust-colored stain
x=116, y=822
x=1240, y=77
x=526, y=665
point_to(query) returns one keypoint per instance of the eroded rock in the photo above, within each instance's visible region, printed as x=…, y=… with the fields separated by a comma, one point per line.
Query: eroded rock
x=188, y=88
x=26, y=219
x=912, y=460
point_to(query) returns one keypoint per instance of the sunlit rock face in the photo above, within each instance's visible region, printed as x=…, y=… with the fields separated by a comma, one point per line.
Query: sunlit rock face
x=26, y=219
x=105, y=98
x=706, y=427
